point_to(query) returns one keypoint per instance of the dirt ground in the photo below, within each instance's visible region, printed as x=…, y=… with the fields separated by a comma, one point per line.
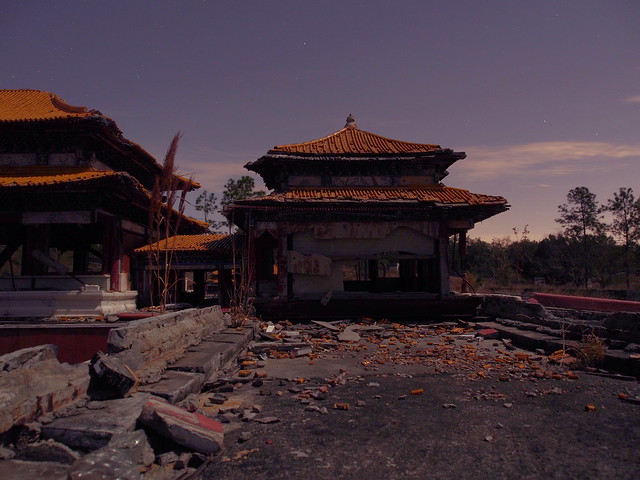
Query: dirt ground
x=425, y=402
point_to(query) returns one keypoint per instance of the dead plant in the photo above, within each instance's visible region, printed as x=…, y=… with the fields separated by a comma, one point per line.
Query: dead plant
x=591, y=350
x=241, y=302
x=166, y=210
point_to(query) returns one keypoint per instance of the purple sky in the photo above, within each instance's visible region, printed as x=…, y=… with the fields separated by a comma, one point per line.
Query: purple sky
x=543, y=96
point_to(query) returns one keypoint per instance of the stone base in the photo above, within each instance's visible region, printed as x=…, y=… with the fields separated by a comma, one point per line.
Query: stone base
x=73, y=303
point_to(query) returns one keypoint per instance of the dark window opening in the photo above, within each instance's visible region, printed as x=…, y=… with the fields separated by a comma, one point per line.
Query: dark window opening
x=392, y=275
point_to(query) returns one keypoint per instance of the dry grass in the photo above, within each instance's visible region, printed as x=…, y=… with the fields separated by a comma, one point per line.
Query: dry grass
x=591, y=351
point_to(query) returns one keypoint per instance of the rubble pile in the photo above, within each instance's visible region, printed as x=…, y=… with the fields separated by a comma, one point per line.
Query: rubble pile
x=110, y=420
x=459, y=348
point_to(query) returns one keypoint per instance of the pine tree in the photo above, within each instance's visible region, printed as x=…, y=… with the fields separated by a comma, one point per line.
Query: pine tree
x=581, y=218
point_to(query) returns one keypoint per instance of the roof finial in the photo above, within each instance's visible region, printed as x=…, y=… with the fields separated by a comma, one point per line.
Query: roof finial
x=351, y=122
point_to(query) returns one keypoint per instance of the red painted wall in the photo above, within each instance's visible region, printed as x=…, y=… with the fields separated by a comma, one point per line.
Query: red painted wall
x=75, y=343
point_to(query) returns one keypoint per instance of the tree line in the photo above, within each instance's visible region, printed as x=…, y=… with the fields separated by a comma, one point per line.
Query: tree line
x=589, y=251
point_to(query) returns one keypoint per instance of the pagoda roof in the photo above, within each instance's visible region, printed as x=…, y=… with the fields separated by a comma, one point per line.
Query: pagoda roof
x=43, y=179
x=352, y=141
x=28, y=107
x=60, y=177
x=37, y=106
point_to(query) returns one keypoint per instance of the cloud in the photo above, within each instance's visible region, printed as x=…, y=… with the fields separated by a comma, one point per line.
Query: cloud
x=633, y=99
x=543, y=158
x=212, y=168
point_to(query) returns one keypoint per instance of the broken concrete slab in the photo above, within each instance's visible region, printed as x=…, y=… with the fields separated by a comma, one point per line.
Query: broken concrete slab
x=89, y=431
x=33, y=383
x=287, y=347
x=111, y=373
x=205, y=359
x=512, y=307
x=165, y=334
x=105, y=464
x=175, y=386
x=190, y=430
x=148, y=345
x=26, y=357
x=348, y=335
x=528, y=339
x=301, y=352
x=215, y=353
x=48, y=451
x=135, y=445
x=6, y=453
x=327, y=325
x=23, y=470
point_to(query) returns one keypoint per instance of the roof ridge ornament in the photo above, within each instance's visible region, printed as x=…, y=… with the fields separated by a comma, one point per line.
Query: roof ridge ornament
x=351, y=122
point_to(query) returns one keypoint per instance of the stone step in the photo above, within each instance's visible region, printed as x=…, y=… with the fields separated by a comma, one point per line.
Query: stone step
x=529, y=339
x=95, y=424
x=616, y=360
x=175, y=386
x=216, y=352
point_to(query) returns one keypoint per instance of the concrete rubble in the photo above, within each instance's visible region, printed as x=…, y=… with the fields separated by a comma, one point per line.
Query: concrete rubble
x=34, y=383
x=113, y=417
x=166, y=416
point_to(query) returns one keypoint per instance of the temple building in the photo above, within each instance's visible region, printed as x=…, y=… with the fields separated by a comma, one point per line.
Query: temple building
x=356, y=224
x=74, y=203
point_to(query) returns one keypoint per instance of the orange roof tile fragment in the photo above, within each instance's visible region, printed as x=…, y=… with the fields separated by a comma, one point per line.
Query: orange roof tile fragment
x=36, y=105
x=352, y=140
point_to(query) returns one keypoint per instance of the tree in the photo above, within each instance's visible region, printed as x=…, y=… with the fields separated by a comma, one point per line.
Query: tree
x=208, y=203
x=240, y=189
x=581, y=218
x=626, y=223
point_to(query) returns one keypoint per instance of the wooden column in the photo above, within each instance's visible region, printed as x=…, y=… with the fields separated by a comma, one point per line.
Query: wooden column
x=462, y=251
x=442, y=249
x=112, y=250
x=199, y=280
x=36, y=238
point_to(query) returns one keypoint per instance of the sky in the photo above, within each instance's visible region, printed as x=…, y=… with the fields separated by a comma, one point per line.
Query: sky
x=542, y=96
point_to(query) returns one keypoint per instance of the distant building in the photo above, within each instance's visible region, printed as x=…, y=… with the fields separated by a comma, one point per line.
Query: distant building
x=74, y=195
x=357, y=224
x=201, y=266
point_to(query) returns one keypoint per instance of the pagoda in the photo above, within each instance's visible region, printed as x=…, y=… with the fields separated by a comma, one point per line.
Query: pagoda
x=75, y=196
x=356, y=223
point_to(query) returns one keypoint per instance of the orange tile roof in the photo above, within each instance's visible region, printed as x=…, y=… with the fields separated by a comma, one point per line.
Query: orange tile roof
x=67, y=177
x=33, y=176
x=187, y=243
x=36, y=105
x=437, y=194
x=352, y=140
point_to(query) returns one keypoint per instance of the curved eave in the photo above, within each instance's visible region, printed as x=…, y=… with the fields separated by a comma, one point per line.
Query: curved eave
x=119, y=184
x=20, y=109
